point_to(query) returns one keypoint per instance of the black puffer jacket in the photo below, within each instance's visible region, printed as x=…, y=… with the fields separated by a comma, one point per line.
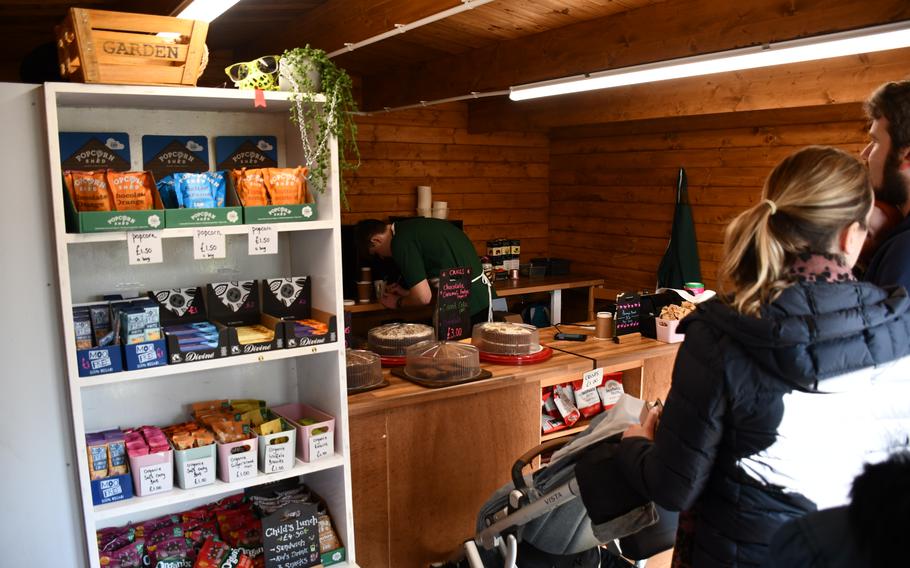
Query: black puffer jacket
x=770, y=418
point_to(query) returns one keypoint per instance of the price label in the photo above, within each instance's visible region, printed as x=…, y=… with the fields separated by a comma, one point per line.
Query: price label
x=322, y=445
x=592, y=379
x=144, y=247
x=263, y=239
x=276, y=457
x=156, y=478
x=199, y=472
x=241, y=466
x=208, y=244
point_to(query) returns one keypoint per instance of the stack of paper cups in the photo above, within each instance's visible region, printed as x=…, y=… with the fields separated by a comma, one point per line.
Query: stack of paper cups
x=440, y=209
x=424, y=200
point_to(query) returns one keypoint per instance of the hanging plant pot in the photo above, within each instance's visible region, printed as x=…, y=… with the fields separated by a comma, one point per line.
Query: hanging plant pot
x=299, y=77
x=304, y=71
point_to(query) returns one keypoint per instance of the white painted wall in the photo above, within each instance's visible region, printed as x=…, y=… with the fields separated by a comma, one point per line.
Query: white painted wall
x=40, y=522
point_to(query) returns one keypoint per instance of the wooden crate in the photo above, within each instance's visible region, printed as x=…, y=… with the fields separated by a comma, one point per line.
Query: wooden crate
x=98, y=46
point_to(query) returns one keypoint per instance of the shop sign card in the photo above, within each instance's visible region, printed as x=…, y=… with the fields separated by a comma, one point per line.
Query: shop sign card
x=165, y=155
x=235, y=152
x=452, y=318
x=290, y=537
x=90, y=151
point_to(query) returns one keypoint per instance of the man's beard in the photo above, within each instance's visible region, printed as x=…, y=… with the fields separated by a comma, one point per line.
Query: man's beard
x=894, y=188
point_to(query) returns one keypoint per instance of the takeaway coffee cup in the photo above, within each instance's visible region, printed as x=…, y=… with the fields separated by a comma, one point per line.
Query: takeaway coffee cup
x=364, y=289
x=604, y=325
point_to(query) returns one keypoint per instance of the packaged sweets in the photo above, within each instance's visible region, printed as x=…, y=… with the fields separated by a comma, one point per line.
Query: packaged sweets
x=131, y=191
x=564, y=403
x=247, y=334
x=116, y=452
x=101, y=322
x=189, y=435
x=250, y=185
x=286, y=186
x=129, y=556
x=96, y=448
x=195, y=191
x=82, y=323
x=587, y=399
x=89, y=190
x=167, y=189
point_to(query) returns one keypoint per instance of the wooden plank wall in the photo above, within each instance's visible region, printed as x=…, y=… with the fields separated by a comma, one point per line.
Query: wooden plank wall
x=612, y=187
x=497, y=183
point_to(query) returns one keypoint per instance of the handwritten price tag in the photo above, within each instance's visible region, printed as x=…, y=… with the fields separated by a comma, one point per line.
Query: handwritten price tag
x=156, y=478
x=263, y=239
x=592, y=379
x=208, y=244
x=322, y=445
x=144, y=247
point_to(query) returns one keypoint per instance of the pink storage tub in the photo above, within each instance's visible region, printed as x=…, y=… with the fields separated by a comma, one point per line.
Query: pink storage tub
x=152, y=473
x=310, y=447
x=666, y=331
x=240, y=465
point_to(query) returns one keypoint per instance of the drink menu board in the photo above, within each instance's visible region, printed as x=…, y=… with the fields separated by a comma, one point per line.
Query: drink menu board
x=628, y=307
x=453, y=321
x=290, y=537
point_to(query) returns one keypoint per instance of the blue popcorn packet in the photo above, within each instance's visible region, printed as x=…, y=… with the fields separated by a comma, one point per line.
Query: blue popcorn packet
x=167, y=188
x=197, y=191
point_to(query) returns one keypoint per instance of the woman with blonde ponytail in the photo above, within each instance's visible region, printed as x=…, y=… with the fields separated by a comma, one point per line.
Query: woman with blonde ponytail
x=787, y=383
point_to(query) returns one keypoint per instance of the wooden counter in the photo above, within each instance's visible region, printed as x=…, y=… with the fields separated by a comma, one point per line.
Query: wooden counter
x=423, y=461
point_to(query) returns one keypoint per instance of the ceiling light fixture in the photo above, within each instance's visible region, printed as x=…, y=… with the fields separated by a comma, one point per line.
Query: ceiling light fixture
x=866, y=40
x=205, y=10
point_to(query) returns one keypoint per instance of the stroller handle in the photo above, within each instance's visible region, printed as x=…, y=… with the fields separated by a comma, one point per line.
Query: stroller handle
x=518, y=479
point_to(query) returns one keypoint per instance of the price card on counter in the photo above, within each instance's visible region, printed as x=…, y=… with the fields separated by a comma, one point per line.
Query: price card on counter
x=144, y=247
x=263, y=239
x=208, y=243
x=592, y=379
x=453, y=320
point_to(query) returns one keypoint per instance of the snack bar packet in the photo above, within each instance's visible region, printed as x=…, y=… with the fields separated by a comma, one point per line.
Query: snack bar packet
x=286, y=186
x=131, y=191
x=567, y=408
x=196, y=191
x=250, y=186
x=96, y=447
x=328, y=540
x=89, y=191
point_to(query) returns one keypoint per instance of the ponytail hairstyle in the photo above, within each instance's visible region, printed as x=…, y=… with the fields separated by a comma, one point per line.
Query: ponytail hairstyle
x=807, y=200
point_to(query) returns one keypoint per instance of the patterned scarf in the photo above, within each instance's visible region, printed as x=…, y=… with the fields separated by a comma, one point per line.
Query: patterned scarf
x=820, y=267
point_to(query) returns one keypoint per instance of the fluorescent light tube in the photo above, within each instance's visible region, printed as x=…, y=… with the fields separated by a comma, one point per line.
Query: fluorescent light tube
x=205, y=10
x=867, y=40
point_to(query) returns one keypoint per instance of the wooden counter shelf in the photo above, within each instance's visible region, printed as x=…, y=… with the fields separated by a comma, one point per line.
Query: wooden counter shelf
x=423, y=460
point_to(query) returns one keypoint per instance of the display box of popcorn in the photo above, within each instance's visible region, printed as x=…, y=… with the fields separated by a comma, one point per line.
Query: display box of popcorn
x=668, y=320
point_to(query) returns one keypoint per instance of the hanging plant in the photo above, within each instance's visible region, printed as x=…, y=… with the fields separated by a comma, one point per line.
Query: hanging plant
x=306, y=70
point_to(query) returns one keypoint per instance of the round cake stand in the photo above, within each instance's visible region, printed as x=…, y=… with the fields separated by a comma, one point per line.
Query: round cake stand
x=539, y=357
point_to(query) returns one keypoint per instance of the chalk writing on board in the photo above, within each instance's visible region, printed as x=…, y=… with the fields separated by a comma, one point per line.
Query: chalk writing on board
x=628, y=306
x=453, y=320
x=290, y=537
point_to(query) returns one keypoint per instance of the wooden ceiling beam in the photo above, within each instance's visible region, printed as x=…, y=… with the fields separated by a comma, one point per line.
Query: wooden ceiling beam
x=828, y=82
x=652, y=33
x=336, y=22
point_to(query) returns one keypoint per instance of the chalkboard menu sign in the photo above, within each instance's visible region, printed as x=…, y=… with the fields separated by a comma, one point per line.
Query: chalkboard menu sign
x=453, y=321
x=628, y=306
x=290, y=537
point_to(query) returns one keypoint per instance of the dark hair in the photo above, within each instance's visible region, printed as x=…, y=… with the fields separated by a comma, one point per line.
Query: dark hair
x=879, y=513
x=364, y=231
x=892, y=101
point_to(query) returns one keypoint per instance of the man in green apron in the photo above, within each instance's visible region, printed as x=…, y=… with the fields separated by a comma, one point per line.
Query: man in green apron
x=422, y=248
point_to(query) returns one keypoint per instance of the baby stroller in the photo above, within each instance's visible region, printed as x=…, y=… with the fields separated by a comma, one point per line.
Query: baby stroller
x=568, y=513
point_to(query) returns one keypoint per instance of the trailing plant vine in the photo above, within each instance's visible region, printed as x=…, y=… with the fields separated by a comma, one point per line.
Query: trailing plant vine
x=318, y=121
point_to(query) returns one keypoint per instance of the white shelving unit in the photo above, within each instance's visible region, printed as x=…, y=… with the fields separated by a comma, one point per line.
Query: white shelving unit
x=90, y=265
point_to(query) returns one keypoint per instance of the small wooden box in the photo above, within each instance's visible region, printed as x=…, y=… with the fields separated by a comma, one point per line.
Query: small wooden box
x=98, y=46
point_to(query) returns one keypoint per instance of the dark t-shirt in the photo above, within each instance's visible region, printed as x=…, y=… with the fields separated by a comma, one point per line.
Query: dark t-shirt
x=422, y=248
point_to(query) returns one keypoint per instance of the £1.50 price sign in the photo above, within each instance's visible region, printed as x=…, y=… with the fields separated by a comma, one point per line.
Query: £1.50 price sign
x=208, y=244
x=144, y=247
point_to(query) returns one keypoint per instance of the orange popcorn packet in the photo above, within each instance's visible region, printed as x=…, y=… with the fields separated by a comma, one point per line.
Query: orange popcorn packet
x=131, y=191
x=250, y=186
x=89, y=190
x=286, y=186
